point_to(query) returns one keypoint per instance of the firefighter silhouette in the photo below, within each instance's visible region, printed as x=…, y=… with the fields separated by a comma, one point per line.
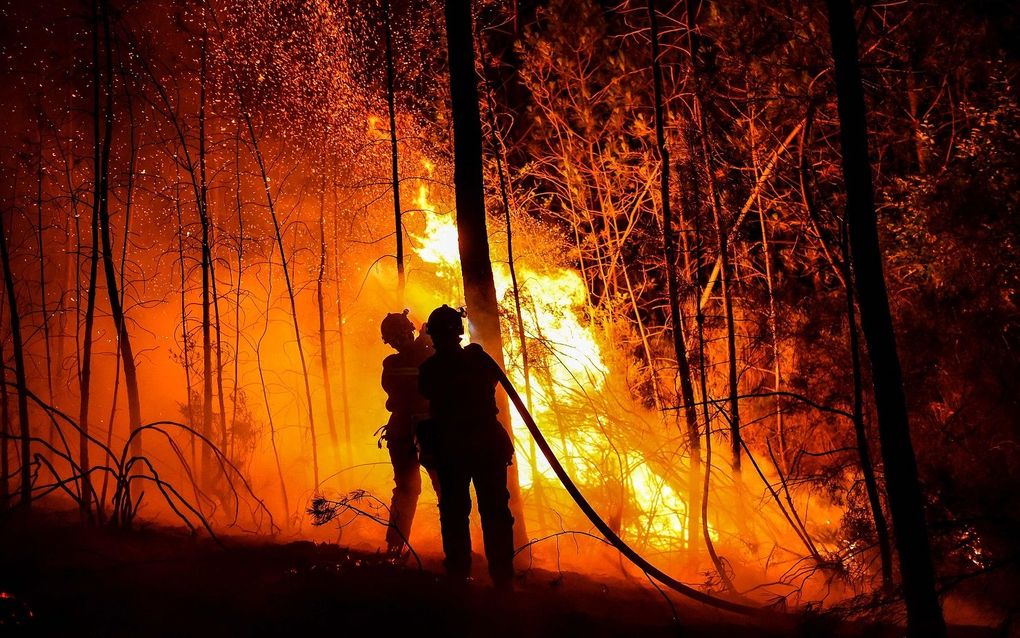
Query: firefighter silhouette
x=407, y=407
x=465, y=442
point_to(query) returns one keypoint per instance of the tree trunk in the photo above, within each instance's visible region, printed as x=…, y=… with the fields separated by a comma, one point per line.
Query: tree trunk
x=395, y=174
x=203, y=213
x=265, y=393
x=341, y=344
x=100, y=151
x=722, y=240
x=867, y=468
x=675, y=309
x=133, y=155
x=473, y=240
x=5, y=434
x=323, y=352
x=19, y=374
x=278, y=233
x=116, y=309
x=699, y=318
x=505, y=190
x=725, y=285
x=237, y=288
x=185, y=347
x=42, y=277
x=906, y=502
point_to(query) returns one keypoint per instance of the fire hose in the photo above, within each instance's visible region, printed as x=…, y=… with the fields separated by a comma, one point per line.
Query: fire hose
x=611, y=536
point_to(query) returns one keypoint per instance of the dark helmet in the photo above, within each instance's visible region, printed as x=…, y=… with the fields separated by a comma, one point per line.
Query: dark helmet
x=445, y=320
x=394, y=325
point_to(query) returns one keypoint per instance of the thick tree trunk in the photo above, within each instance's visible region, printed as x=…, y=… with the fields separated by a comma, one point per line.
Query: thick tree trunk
x=906, y=502
x=476, y=268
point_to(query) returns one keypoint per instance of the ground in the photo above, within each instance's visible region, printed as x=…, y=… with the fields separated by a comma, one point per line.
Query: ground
x=59, y=579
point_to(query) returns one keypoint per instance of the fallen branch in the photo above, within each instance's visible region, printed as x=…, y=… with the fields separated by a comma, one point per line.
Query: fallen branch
x=324, y=510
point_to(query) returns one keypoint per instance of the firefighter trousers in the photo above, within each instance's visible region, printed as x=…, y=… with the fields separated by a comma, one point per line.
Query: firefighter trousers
x=493, y=507
x=406, y=489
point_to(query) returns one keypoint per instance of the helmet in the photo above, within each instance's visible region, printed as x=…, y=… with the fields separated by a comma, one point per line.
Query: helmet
x=445, y=320
x=394, y=325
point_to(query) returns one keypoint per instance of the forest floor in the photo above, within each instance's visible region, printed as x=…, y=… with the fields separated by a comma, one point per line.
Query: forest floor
x=59, y=579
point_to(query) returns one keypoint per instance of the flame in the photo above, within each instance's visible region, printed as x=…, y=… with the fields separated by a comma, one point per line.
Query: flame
x=376, y=129
x=573, y=368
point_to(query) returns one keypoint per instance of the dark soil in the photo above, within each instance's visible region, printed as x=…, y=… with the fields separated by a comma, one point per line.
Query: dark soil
x=57, y=578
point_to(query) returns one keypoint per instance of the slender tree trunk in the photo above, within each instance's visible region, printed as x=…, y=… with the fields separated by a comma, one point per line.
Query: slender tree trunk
x=220, y=395
x=203, y=213
x=390, y=99
x=675, y=309
x=906, y=502
x=323, y=351
x=116, y=309
x=70, y=264
x=914, y=108
x=265, y=391
x=224, y=435
x=777, y=376
x=844, y=274
x=473, y=240
x=342, y=347
x=703, y=383
x=5, y=433
x=278, y=232
x=234, y=397
x=505, y=191
x=42, y=277
x=98, y=158
x=722, y=241
x=19, y=374
x=722, y=245
x=133, y=155
x=185, y=337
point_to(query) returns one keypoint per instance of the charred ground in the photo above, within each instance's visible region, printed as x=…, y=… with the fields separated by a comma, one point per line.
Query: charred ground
x=59, y=579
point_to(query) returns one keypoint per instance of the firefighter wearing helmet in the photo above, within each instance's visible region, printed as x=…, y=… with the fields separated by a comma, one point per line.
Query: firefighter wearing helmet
x=468, y=444
x=407, y=407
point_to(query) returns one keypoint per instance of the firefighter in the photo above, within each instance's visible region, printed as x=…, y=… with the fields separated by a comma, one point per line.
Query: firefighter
x=469, y=444
x=407, y=407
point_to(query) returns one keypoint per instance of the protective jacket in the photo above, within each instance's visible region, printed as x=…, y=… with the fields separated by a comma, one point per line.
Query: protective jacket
x=407, y=407
x=400, y=381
